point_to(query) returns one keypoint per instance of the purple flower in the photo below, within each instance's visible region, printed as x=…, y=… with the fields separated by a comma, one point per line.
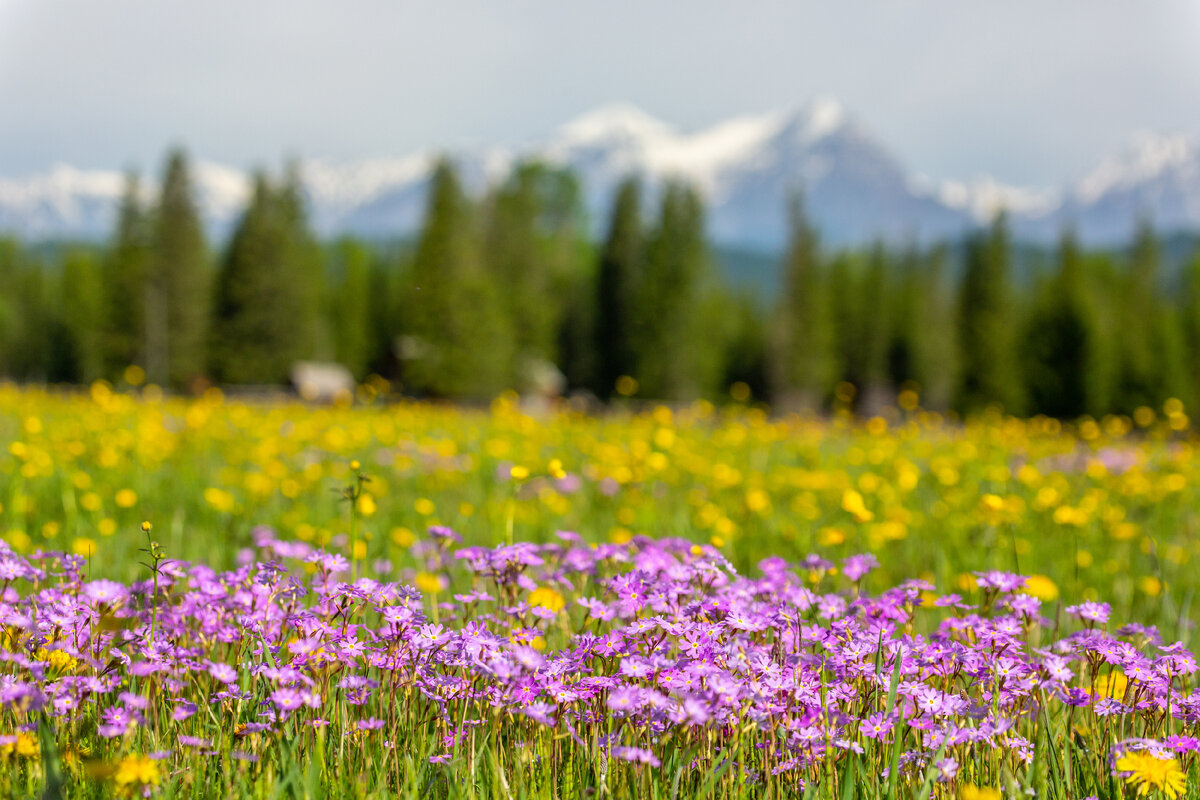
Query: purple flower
x=855, y=567
x=636, y=755
x=1091, y=611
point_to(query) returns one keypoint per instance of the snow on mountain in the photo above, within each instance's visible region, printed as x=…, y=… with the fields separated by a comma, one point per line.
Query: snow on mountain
x=65, y=199
x=855, y=188
x=1156, y=177
x=983, y=197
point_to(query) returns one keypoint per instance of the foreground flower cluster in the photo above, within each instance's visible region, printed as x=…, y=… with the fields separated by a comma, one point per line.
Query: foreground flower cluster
x=565, y=666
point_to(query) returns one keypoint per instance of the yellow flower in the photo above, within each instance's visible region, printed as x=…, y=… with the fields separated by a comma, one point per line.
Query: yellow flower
x=1041, y=587
x=548, y=599
x=366, y=505
x=1148, y=772
x=83, y=546
x=429, y=583
x=853, y=502
x=25, y=746
x=126, y=498
x=137, y=771
x=1111, y=685
x=969, y=791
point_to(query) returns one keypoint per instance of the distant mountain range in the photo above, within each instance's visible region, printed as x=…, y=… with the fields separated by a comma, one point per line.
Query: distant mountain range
x=856, y=189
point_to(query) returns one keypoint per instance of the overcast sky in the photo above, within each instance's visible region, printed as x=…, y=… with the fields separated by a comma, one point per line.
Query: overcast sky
x=1030, y=92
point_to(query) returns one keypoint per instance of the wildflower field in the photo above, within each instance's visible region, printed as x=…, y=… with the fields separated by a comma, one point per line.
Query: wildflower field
x=210, y=598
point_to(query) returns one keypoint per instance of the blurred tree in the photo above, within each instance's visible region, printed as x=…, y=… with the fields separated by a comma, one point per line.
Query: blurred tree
x=923, y=352
x=30, y=352
x=460, y=342
x=81, y=356
x=804, y=364
x=986, y=323
x=1062, y=349
x=533, y=229
x=875, y=332
x=265, y=314
x=1149, y=335
x=125, y=270
x=25, y=318
x=178, y=282
x=1190, y=322
x=745, y=354
x=845, y=310
x=676, y=357
x=303, y=289
x=935, y=338
x=622, y=262
x=351, y=300
x=386, y=278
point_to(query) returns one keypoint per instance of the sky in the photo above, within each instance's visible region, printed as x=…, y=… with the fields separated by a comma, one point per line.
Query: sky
x=1030, y=92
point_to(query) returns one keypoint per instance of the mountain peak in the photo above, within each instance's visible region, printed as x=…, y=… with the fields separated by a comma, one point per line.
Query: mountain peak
x=745, y=167
x=1147, y=156
x=617, y=120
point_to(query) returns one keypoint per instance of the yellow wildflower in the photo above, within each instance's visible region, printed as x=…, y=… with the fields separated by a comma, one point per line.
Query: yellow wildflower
x=1148, y=772
x=134, y=771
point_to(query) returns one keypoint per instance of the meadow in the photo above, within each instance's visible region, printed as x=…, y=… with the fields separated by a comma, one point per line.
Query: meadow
x=226, y=598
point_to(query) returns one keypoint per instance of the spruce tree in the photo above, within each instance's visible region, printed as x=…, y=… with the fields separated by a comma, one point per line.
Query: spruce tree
x=125, y=271
x=935, y=337
x=986, y=324
x=265, y=313
x=804, y=365
x=618, y=278
x=178, y=282
x=351, y=312
x=82, y=319
x=845, y=310
x=1141, y=330
x=302, y=284
x=675, y=353
x=533, y=229
x=875, y=331
x=1190, y=324
x=460, y=343
x=1061, y=349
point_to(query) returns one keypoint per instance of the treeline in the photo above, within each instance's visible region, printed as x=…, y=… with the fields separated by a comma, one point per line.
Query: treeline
x=508, y=291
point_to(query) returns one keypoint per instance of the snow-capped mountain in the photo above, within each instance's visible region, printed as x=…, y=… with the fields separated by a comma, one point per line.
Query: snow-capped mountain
x=855, y=188
x=1156, y=177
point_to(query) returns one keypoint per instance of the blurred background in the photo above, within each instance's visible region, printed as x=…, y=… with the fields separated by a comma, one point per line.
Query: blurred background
x=955, y=204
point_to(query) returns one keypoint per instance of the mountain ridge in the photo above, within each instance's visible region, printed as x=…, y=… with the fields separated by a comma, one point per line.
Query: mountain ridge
x=856, y=189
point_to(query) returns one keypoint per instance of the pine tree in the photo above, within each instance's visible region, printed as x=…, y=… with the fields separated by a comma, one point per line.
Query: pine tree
x=1190, y=323
x=387, y=295
x=82, y=318
x=1061, y=350
x=460, y=342
x=745, y=356
x=923, y=352
x=675, y=353
x=875, y=332
x=10, y=314
x=265, y=312
x=845, y=310
x=124, y=274
x=1141, y=371
x=936, y=354
x=351, y=312
x=986, y=323
x=619, y=273
x=532, y=234
x=178, y=283
x=302, y=285
x=804, y=364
